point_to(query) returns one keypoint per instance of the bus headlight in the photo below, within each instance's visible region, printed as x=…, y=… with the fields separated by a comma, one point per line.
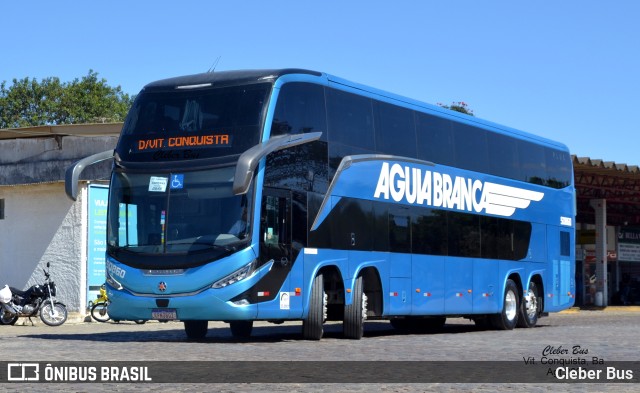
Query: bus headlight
x=236, y=276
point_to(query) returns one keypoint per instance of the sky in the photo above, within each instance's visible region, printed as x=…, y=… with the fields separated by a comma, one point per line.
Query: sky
x=566, y=70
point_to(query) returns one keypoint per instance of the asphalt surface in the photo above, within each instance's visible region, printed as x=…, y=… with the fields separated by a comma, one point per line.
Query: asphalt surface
x=610, y=335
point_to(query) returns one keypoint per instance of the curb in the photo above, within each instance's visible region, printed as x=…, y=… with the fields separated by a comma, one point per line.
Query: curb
x=574, y=310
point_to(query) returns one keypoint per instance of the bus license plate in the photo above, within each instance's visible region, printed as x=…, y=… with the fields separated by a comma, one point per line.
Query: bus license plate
x=167, y=314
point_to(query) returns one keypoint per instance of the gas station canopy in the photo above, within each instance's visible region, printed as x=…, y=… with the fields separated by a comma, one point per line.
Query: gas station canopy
x=619, y=184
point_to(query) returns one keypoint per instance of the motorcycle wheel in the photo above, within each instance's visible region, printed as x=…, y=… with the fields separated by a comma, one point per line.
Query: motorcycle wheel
x=99, y=312
x=55, y=316
x=8, y=319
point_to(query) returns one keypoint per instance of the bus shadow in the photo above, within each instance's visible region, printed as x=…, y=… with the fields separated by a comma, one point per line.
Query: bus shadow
x=260, y=334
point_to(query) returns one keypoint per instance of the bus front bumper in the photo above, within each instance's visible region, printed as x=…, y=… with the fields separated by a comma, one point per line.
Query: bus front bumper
x=202, y=306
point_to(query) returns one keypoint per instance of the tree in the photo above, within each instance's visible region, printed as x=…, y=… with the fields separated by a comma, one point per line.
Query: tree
x=28, y=102
x=459, y=106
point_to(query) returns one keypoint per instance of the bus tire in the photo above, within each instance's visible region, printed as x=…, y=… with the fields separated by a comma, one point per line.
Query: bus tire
x=355, y=313
x=241, y=329
x=312, y=328
x=196, y=330
x=529, y=307
x=508, y=318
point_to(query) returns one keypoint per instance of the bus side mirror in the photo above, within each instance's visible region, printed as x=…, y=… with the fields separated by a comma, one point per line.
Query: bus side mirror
x=72, y=175
x=249, y=160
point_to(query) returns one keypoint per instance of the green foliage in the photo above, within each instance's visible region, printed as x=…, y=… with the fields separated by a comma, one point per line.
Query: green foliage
x=459, y=106
x=28, y=102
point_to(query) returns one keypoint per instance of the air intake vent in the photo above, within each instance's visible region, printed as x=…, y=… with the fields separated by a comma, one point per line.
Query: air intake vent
x=162, y=302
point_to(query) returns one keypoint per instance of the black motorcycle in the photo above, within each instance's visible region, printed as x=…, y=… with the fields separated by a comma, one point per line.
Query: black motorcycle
x=38, y=298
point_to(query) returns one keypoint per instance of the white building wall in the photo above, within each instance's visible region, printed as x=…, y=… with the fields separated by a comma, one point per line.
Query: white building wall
x=42, y=225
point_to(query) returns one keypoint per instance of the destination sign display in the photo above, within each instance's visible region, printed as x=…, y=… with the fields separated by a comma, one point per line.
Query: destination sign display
x=213, y=140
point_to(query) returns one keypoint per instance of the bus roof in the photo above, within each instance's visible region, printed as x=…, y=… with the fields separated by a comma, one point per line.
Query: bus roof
x=227, y=78
x=224, y=78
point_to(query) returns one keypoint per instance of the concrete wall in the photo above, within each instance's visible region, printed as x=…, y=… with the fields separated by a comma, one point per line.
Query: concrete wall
x=38, y=160
x=42, y=225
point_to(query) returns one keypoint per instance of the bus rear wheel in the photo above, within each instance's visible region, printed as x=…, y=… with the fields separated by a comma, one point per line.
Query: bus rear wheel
x=312, y=326
x=508, y=318
x=196, y=330
x=355, y=313
x=529, y=308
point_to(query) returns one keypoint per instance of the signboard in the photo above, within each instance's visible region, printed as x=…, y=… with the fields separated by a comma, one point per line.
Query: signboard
x=629, y=245
x=96, y=239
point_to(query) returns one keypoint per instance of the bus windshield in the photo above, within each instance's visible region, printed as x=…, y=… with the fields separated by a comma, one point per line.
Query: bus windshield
x=176, y=220
x=191, y=124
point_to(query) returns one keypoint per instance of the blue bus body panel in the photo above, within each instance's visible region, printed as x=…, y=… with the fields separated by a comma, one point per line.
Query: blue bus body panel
x=428, y=281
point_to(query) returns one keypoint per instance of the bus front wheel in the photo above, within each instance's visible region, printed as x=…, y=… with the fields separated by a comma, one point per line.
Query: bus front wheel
x=312, y=328
x=508, y=318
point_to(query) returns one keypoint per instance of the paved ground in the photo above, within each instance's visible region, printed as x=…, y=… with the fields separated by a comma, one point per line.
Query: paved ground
x=610, y=335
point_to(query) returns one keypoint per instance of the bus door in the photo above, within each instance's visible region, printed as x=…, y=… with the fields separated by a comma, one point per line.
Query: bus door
x=275, y=244
x=562, y=266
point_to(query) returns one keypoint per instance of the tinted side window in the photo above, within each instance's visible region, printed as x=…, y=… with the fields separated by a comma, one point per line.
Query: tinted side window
x=434, y=139
x=395, y=130
x=464, y=235
x=559, y=169
x=300, y=109
x=352, y=225
x=350, y=119
x=565, y=243
x=299, y=223
x=338, y=151
x=533, y=163
x=429, y=232
x=380, y=226
x=521, y=239
x=399, y=229
x=321, y=237
x=503, y=156
x=471, y=147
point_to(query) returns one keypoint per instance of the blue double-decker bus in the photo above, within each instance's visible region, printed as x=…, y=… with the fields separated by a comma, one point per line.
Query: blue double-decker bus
x=291, y=194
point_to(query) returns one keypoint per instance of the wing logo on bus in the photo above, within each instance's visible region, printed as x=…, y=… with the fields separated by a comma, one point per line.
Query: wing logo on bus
x=436, y=189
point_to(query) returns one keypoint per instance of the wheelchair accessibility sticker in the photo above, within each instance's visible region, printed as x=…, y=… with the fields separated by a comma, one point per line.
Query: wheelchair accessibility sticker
x=177, y=182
